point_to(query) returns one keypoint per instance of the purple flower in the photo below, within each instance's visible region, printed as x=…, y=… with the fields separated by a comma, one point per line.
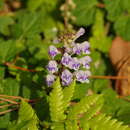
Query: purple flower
x=85, y=61
x=85, y=47
x=50, y=79
x=52, y=66
x=82, y=76
x=77, y=49
x=80, y=32
x=66, y=77
x=74, y=64
x=53, y=51
x=66, y=59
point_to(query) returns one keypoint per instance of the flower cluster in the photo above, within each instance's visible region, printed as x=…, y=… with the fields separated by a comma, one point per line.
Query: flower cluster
x=75, y=62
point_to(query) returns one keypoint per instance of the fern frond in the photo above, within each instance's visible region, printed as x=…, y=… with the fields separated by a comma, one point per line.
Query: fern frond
x=102, y=122
x=90, y=113
x=68, y=94
x=56, y=102
x=26, y=112
x=71, y=125
x=27, y=119
x=57, y=126
x=83, y=106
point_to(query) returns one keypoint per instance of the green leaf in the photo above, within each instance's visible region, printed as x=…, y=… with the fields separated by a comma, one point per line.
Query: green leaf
x=38, y=48
x=28, y=86
x=71, y=125
x=99, y=40
x=92, y=111
x=27, y=118
x=124, y=113
x=26, y=112
x=4, y=121
x=102, y=122
x=5, y=22
x=33, y=4
x=8, y=50
x=57, y=126
x=28, y=25
x=114, y=8
x=56, y=102
x=1, y=5
x=80, y=90
x=122, y=26
x=98, y=67
x=68, y=94
x=85, y=11
x=120, y=111
x=83, y=106
x=2, y=72
x=10, y=87
x=47, y=5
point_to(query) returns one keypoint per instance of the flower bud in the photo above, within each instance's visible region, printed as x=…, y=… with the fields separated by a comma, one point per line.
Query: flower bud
x=80, y=32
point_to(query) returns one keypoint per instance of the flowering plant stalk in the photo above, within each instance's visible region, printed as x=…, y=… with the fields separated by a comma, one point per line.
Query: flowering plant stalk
x=74, y=62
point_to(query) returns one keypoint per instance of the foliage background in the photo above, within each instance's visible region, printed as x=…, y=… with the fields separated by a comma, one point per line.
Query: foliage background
x=28, y=27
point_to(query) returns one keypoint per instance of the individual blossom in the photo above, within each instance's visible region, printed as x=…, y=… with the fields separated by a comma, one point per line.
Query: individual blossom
x=50, y=79
x=85, y=61
x=77, y=49
x=82, y=76
x=52, y=66
x=85, y=47
x=66, y=77
x=74, y=64
x=80, y=32
x=66, y=59
x=53, y=51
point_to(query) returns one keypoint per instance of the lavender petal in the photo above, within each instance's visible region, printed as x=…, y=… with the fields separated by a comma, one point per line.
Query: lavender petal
x=66, y=77
x=52, y=66
x=50, y=79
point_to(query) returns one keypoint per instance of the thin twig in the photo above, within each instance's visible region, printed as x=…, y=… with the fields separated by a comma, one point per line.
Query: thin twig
x=8, y=100
x=108, y=77
x=7, y=105
x=9, y=110
x=18, y=67
x=14, y=97
x=18, y=97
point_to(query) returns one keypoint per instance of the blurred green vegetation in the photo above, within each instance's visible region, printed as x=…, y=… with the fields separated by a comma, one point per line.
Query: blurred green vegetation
x=27, y=30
